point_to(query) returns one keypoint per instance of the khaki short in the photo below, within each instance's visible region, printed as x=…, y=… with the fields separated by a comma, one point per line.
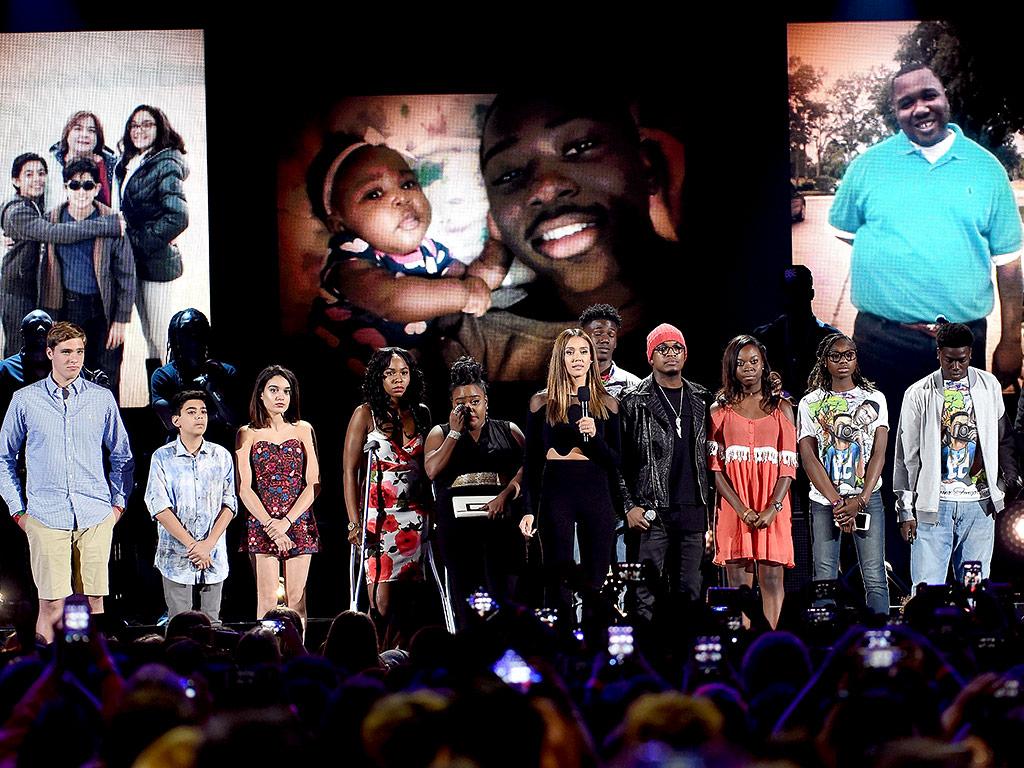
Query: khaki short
x=66, y=562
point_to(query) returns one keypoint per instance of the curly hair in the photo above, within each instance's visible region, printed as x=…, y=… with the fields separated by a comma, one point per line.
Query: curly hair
x=380, y=401
x=954, y=336
x=465, y=372
x=820, y=378
x=601, y=312
x=166, y=136
x=732, y=391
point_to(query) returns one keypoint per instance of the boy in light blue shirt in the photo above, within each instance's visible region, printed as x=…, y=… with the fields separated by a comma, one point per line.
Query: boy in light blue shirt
x=191, y=494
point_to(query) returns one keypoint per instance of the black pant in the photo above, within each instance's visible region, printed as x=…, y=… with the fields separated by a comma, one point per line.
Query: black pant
x=478, y=552
x=86, y=310
x=676, y=556
x=575, y=495
x=894, y=357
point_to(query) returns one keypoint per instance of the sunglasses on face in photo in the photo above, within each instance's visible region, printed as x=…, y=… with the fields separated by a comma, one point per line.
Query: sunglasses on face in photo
x=74, y=185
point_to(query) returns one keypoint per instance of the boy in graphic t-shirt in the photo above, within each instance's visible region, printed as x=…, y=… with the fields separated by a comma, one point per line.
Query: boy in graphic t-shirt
x=953, y=459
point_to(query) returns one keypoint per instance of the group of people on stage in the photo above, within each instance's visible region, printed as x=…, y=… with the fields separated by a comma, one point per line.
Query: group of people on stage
x=90, y=233
x=665, y=460
x=609, y=467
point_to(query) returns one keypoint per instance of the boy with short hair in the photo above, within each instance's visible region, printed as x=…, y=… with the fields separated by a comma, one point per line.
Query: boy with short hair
x=191, y=494
x=69, y=503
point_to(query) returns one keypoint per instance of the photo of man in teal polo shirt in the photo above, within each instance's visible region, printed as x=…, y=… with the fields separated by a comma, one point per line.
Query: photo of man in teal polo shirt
x=929, y=213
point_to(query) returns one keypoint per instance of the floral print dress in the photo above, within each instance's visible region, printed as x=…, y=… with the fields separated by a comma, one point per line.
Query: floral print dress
x=279, y=474
x=396, y=555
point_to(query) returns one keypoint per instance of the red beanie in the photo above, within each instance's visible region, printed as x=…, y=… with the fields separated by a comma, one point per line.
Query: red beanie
x=663, y=333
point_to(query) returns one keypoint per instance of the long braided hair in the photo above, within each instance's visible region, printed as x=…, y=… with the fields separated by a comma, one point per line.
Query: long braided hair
x=820, y=378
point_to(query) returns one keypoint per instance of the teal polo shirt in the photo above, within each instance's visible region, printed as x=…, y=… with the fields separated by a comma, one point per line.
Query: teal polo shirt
x=926, y=234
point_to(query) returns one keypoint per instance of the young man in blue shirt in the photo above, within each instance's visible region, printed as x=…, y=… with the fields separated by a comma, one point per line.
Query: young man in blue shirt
x=69, y=506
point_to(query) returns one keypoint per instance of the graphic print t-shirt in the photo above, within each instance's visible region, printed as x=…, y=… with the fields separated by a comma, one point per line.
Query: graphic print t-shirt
x=963, y=476
x=844, y=425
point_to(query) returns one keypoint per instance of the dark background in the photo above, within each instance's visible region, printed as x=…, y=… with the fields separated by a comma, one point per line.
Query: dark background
x=266, y=75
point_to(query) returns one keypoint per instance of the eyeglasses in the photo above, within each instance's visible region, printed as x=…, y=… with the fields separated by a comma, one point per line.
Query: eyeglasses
x=673, y=350
x=837, y=357
x=74, y=185
x=141, y=126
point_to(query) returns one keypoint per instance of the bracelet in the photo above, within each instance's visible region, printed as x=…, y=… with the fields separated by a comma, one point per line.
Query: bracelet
x=517, y=489
x=838, y=502
x=453, y=434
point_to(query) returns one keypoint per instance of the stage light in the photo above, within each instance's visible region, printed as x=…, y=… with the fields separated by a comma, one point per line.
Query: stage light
x=484, y=605
x=1010, y=529
x=1018, y=528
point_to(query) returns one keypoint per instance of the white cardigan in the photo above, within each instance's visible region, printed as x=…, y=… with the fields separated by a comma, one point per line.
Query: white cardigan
x=917, y=476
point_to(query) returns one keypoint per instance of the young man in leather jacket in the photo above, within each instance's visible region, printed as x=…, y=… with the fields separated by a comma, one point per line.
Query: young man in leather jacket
x=667, y=493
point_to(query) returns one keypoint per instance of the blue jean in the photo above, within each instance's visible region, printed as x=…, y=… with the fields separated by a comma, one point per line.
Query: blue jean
x=870, y=544
x=963, y=532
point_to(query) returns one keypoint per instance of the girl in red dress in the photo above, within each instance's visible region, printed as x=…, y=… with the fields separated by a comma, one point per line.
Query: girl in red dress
x=752, y=450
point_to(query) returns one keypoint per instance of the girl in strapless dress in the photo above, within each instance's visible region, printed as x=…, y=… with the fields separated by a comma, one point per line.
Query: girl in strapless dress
x=278, y=476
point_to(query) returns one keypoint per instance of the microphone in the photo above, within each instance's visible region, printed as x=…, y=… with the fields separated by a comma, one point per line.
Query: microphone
x=371, y=445
x=583, y=393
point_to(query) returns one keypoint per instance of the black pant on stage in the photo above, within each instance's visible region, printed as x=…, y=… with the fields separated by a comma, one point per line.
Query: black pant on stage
x=86, y=310
x=676, y=556
x=575, y=494
x=478, y=552
x=894, y=356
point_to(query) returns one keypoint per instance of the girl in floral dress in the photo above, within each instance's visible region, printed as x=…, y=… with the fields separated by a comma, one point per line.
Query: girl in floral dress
x=396, y=519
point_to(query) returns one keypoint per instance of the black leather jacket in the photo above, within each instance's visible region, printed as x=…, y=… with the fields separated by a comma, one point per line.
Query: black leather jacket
x=647, y=441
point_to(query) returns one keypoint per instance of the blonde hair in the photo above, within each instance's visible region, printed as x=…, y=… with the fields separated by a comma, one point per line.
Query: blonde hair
x=560, y=388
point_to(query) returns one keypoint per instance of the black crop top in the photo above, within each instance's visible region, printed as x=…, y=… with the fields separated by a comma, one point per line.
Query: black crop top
x=541, y=436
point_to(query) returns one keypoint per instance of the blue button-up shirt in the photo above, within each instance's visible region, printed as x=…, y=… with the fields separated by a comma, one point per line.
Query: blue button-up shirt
x=63, y=442
x=196, y=489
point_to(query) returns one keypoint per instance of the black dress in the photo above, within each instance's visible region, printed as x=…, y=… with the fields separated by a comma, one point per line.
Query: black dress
x=477, y=551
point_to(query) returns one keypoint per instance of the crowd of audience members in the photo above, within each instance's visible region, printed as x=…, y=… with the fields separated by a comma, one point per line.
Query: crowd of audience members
x=941, y=690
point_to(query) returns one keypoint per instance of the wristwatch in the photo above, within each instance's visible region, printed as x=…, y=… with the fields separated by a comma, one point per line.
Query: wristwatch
x=352, y=526
x=649, y=515
x=777, y=505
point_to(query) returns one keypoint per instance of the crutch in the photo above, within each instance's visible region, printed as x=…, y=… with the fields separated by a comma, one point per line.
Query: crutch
x=442, y=588
x=357, y=560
